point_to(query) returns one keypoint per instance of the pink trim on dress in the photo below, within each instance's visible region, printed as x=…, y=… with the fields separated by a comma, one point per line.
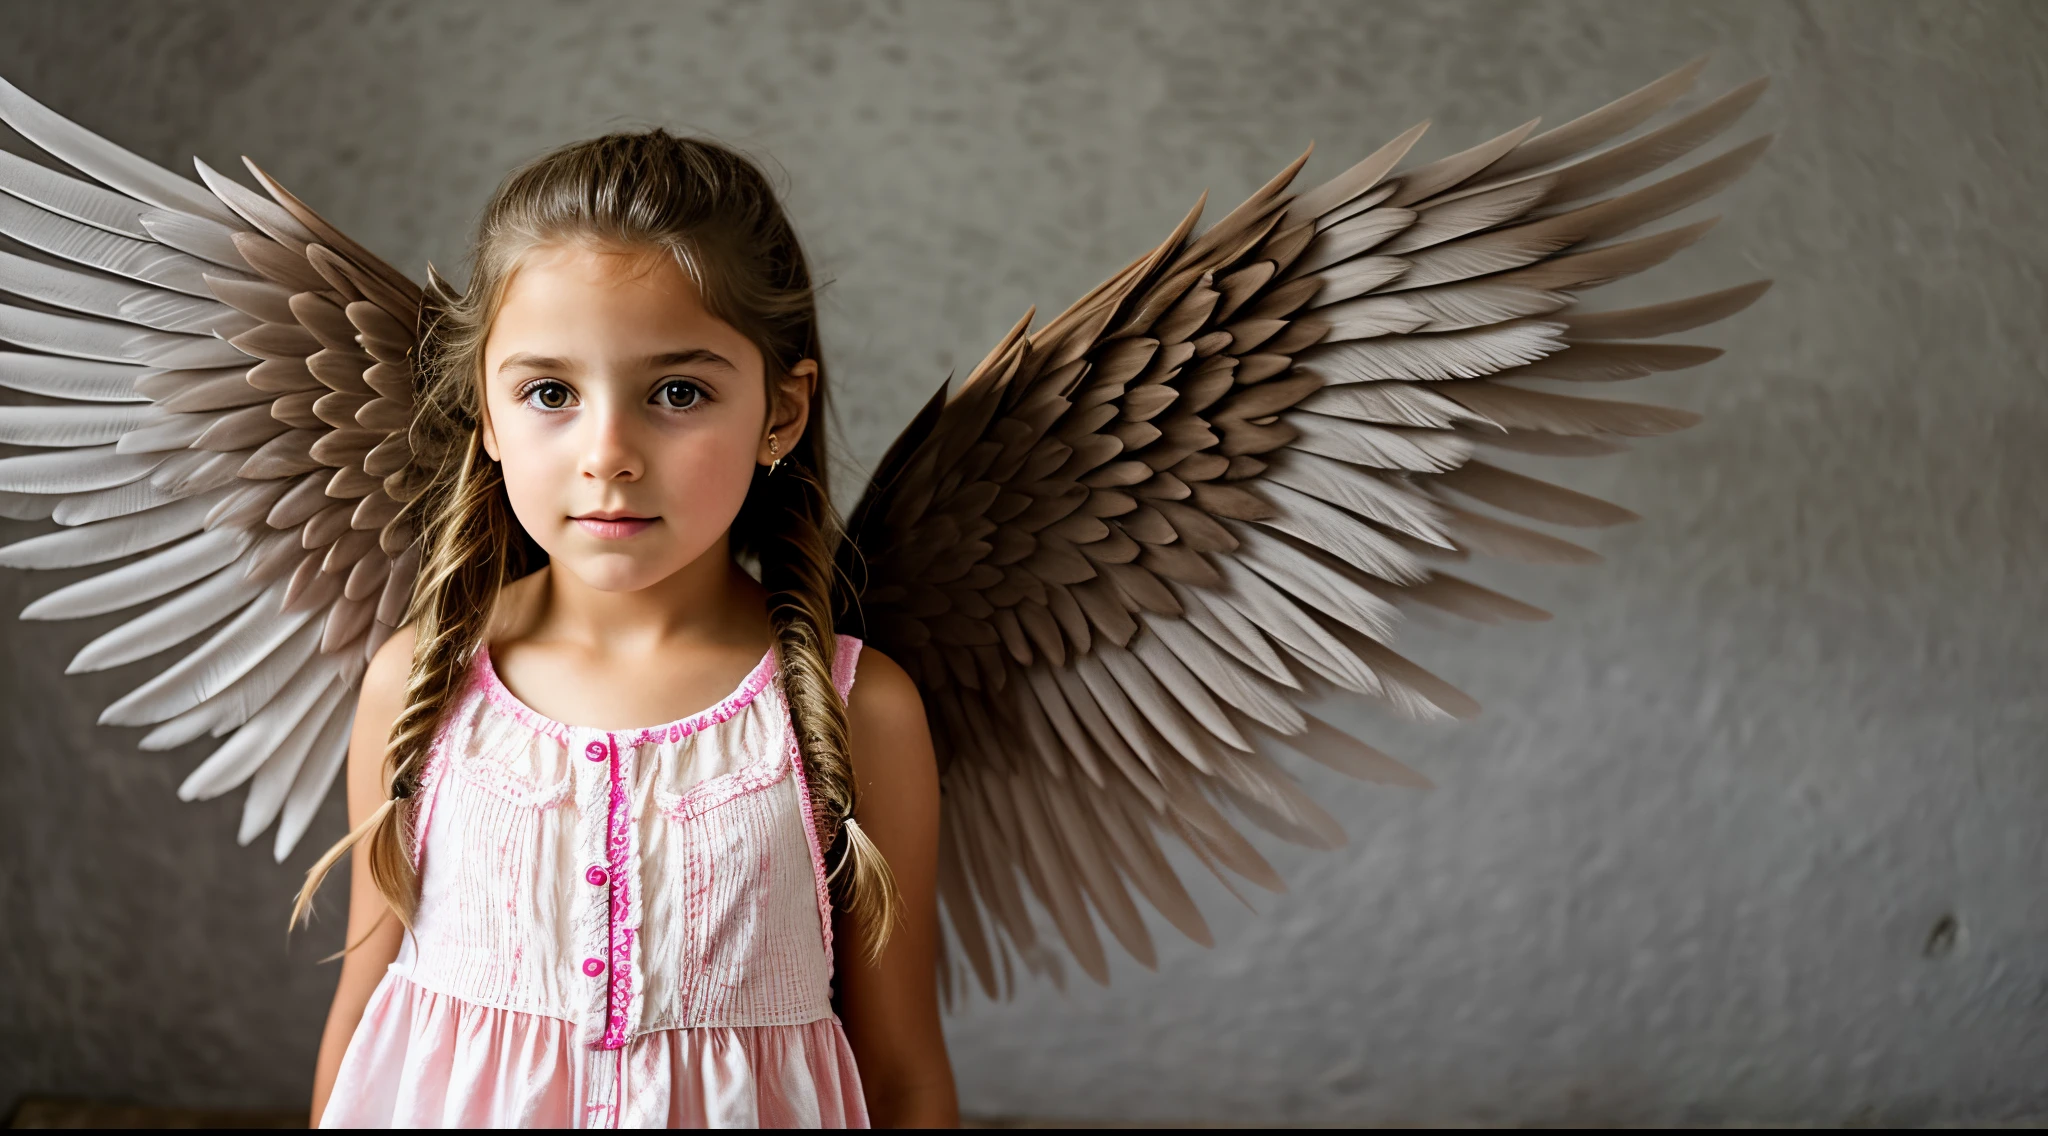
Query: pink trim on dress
x=619, y=853
x=494, y=688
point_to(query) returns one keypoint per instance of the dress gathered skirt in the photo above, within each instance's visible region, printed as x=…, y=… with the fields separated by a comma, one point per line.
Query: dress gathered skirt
x=616, y=929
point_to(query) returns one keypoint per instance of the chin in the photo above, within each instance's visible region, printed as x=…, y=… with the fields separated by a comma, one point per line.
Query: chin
x=612, y=572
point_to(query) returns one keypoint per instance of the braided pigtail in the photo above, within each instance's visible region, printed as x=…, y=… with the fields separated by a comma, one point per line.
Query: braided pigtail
x=797, y=567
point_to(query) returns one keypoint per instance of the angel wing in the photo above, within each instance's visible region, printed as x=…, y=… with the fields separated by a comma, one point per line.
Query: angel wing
x=224, y=384
x=1122, y=556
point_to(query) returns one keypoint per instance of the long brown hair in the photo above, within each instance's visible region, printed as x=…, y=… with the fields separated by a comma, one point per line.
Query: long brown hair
x=716, y=213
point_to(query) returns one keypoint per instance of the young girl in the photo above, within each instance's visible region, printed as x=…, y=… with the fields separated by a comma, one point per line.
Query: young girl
x=602, y=807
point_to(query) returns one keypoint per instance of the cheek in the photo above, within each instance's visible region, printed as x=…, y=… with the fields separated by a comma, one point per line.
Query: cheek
x=538, y=469
x=704, y=479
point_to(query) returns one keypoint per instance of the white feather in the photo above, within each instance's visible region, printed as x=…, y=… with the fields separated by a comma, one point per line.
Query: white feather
x=100, y=159
x=1390, y=404
x=208, y=240
x=85, y=508
x=1362, y=491
x=73, y=425
x=214, y=665
x=169, y=352
x=1342, y=535
x=1454, y=355
x=1383, y=447
x=145, y=579
x=1276, y=614
x=67, y=196
x=68, y=335
x=109, y=540
x=169, y=432
x=169, y=623
x=146, y=261
x=1307, y=578
x=74, y=471
x=233, y=762
x=1223, y=673
x=27, y=506
x=309, y=789
x=267, y=215
x=273, y=780
x=181, y=477
x=1356, y=278
x=1223, y=625
x=232, y=707
x=78, y=379
x=1342, y=242
x=175, y=311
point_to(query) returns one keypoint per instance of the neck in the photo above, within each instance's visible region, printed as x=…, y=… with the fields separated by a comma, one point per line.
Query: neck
x=709, y=601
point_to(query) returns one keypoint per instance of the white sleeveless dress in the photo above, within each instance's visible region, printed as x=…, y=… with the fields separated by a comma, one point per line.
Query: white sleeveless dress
x=616, y=929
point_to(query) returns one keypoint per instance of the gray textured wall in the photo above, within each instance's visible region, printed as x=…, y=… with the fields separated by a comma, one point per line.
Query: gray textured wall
x=1687, y=866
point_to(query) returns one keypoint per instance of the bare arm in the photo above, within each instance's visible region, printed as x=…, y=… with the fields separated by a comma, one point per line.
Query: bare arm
x=890, y=1006
x=369, y=920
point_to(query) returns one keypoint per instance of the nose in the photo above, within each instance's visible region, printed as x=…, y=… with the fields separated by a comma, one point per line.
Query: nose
x=610, y=448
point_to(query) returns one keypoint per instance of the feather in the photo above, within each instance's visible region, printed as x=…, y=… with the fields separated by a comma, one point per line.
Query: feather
x=207, y=240
x=232, y=763
x=1617, y=215
x=69, y=197
x=190, y=392
x=1377, y=498
x=1228, y=628
x=175, y=311
x=262, y=299
x=1303, y=574
x=143, y=580
x=232, y=651
x=1461, y=597
x=74, y=471
x=1610, y=121
x=1415, y=692
x=27, y=506
x=72, y=425
x=167, y=432
x=229, y=708
x=1272, y=612
x=1353, y=207
x=1608, y=263
x=1490, y=537
x=1612, y=362
x=69, y=335
x=1330, y=746
x=169, y=623
x=85, y=508
x=280, y=765
x=1521, y=408
x=1391, y=404
x=271, y=219
x=103, y=160
x=1356, y=180
x=1454, y=355
x=1444, y=173
x=1452, y=219
x=1383, y=447
x=1171, y=696
x=1662, y=319
x=316, y=775
x=1228, y=678
x=146, y=261
x=1340, y=243
x=1656, y=149
x=1348, y=538
x=111, y=539
x=1532, y=498
x=77, y=379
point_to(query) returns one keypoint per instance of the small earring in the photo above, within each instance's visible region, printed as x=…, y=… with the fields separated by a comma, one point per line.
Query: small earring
x=774, y=451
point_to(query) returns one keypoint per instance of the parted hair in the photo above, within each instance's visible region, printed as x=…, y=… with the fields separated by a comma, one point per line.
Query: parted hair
x=715, y=212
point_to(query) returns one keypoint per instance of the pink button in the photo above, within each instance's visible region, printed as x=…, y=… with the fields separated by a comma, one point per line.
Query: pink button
x=593, y=967
x=596, y=751
x=596, y=876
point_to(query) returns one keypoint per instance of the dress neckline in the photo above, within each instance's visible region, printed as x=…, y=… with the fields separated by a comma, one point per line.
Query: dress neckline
x=751, y=686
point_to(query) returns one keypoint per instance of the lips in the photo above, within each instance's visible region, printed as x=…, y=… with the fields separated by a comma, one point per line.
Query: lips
x=614, y=528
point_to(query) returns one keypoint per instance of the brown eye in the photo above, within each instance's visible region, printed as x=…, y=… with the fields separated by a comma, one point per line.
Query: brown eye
x=549, y=396
x=680, y=395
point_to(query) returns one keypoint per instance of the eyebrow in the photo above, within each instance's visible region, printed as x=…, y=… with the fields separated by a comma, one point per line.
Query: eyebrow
x=528, y=361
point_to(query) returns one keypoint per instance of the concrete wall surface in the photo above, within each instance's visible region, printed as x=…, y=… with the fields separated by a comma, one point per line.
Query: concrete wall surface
x=1751, y=832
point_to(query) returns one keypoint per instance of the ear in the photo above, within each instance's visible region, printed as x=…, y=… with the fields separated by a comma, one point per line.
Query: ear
x=789, y=411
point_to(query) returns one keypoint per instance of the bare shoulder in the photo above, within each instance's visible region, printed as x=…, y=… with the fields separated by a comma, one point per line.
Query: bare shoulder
x=384, y=681
x=883, y=693
x=885, y=715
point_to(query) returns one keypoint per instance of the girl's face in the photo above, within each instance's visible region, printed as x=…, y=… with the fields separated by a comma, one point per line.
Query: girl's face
x=628, y=419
